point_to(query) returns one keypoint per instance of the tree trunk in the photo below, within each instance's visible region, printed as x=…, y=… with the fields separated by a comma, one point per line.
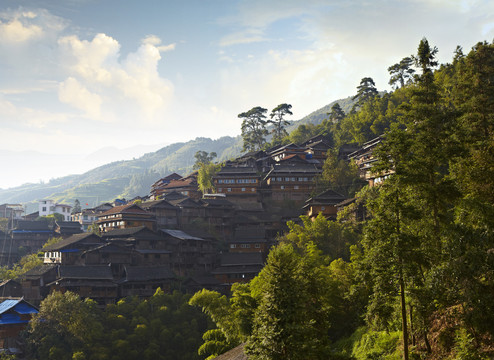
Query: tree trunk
x=404, y=317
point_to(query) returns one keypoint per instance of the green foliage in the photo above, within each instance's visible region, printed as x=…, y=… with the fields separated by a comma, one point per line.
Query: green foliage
x=77, y=207
x=26, y=263
x=332, y=238
x=303, y=133
x=376, y=345
x=279, y=123
x=205, y=176
x=162, y=327
x=401, y=73
x=340, y=175
x=254, y=128
x=465, y=347
x=4, y=223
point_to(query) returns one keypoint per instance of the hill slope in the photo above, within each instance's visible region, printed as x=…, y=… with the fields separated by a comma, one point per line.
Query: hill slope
x=130, y=178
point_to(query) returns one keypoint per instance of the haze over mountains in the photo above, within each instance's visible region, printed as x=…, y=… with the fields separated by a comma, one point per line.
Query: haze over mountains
x=125, y=178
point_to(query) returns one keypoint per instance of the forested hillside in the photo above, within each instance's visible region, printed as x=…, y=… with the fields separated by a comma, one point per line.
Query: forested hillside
x=131, y=178
x=414, y=279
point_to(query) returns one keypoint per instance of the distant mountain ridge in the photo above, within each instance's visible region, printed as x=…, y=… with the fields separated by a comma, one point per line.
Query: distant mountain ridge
x=129, y=178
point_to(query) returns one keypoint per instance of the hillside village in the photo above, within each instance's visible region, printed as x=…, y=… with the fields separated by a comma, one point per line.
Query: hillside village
x=176, y=237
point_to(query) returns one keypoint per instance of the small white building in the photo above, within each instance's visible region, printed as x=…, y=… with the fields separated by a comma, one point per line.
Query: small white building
x=49, y=207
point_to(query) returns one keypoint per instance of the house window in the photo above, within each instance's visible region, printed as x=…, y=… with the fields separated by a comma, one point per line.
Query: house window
x=233, y=246
x=253, y=189
x=296, y=187
x=44, y=208
x=220, y=189
x=323, y=208
x=243, y=189
x=293, y=179
x=229, y=189
x=279, y=179
x=258, y=246
x=282, y=187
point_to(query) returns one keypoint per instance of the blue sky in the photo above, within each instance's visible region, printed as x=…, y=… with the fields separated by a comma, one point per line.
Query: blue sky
x=78, y=76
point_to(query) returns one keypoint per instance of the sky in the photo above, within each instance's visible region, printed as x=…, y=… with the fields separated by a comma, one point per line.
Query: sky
x=86, y=82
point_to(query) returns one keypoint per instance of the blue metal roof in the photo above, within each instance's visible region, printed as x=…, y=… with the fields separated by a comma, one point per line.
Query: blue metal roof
x=18, y=305
x=8, y=304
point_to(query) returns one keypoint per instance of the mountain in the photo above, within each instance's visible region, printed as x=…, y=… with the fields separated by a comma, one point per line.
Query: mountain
x=129, y=178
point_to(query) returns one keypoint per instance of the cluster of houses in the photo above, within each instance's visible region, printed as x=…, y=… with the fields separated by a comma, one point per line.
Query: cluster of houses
x=176, y=237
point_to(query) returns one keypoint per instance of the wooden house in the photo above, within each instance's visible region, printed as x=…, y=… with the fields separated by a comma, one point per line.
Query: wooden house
x=190, y=211
x=239, y=183
x=125, y=216
x=158, y=188
x=281, y=152
x=34, y=282
x=10, y=289
x=291, y=181
x=365, y=159
x=31, y=235
x=149, y=247
x=248, y=239
x=325, y=203
x=186, y=186
x=68, y=251
x=15, y=314
x=95, y=282
x=190, y=254
x=219, y=214
x=67, y=228
x=165, y=213
x=238, y=267
x=143, y=281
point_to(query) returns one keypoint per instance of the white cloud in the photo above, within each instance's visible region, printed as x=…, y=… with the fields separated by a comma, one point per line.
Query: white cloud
x=20, y=26
x=73, y=93
x=131, y=85
x=15, y=32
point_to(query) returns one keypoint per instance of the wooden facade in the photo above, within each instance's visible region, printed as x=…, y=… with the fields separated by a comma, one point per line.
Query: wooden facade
x=125, y=216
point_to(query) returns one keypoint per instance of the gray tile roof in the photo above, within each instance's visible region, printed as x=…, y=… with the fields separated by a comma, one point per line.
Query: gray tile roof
x=147, y=273
x=96, y=272
x=72, y=240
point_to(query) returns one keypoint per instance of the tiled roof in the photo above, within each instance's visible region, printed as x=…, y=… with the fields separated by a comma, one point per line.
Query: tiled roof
x=161, y=204
x=173, y=195
x=236, y=269
x=217, y=203
x=72, y=240
x=85, y=272
x=125, y=209
x=181, y=183
x=142, y=231
x=146, y=273
x=233, y=354
x=293, y=169
x=237, y=170
x=186, y=202
x=69, y=224
x=110, y=248
x=250, y=232
x=234, y=259
x=32, y=225
x=179, y=234
x=328, y=197
x=39, y=270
